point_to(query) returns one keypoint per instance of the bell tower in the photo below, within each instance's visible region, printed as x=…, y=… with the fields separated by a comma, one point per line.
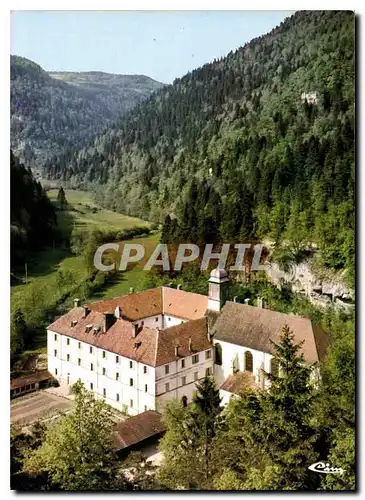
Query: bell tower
x=218, y=283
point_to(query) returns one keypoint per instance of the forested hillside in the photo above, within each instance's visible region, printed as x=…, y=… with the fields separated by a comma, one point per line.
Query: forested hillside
x=51, y=112
x=234, y=150
x=32, y=216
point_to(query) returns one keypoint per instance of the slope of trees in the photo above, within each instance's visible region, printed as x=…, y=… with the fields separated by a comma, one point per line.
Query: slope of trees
x=53, y=112
x=32, y=216
x=234, y=143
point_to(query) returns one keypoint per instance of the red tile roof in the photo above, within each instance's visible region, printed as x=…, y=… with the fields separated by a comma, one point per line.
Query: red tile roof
x=155, y=301
x=138, y=428
x=179, y=335
x=134, y=306
x=238, y=382
x=151, y=346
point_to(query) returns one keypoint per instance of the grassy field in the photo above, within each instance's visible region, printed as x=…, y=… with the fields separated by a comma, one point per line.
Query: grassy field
x=133, y=275
x=86, y=213
x=55, y=276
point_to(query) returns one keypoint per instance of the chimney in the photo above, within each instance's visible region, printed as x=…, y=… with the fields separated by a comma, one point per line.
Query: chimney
x=247, y=301
x=179, y=287
x=86, y=312
x=108, y=321
x=135, y=330
x=235, y=298
x=190, y=345
x=131, y=290
x=76, y=302
x=176, y=350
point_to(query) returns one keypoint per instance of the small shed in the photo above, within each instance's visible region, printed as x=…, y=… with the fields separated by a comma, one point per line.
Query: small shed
x=28, y=383
x=138, y=432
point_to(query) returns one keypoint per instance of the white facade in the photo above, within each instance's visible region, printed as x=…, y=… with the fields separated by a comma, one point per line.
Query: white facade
x=178, y=379
x=126, y=384
x=122, y=382
x=233, y=360
x=160, y=321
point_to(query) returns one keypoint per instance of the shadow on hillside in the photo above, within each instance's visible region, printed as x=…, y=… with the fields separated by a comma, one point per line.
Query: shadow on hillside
x=115, y=279
x=46, y=260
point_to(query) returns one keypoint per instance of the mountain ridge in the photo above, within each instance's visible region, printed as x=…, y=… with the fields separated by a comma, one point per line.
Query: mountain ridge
x=51, y=111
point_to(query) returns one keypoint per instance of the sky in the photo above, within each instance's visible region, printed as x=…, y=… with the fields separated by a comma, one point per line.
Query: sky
x=162, y=45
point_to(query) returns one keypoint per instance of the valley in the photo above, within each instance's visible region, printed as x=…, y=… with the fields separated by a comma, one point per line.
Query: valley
x=242, y=379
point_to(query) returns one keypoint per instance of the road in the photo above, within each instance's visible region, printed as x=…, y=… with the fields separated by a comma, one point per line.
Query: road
x=38, y=405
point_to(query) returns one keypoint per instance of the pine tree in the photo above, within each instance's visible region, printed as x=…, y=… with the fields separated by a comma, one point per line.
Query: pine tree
x=206, y=409
x=166, y=230
x=61, y=197
x=18, y=332
x=187, y=444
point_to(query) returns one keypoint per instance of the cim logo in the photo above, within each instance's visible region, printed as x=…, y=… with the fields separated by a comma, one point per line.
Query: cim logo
x=325, y=468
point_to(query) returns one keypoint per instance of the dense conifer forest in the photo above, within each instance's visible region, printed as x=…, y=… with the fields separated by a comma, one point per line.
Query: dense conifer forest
x=51, y=112
x=33, y=218
x=234, y=150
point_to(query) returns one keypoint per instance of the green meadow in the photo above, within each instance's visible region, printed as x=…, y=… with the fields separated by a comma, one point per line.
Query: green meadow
x=55, y=276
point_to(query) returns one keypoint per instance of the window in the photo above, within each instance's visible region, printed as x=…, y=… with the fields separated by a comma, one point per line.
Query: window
x=91, y=350
x=248, y=362
x=167, y=369
x=104, y=393
x=195, y=359
x=68, y=342
x=68, y=357
x=91, y=386
x=145, y=369
x=167, y=387
x=208, y=354
x=196, y=376
x=183, y=363
x=145, y=407
x=131, y=382
x=117, y=376
x=183, y=380
x=117, y=397
x=131, y=364
x=79, y=362
x=274, y=367
x=55, y=336
x=131, y=403
x=117, y=359
x=169, y=319
x=156, y=319
x=145, y=388
x=79, y=345
x=208, y=372
x=55, y=353
x=104, y=371
x=91, y=367
x=104, y=354
x=218, y=354
x=55, y=371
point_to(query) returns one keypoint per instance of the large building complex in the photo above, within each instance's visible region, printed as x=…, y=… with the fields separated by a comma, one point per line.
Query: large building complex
x=139, y=350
